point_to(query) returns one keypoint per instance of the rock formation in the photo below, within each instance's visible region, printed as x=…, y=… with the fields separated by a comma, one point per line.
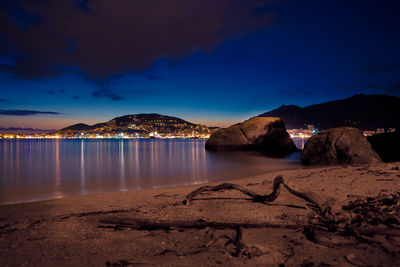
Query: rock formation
x=266, y=134
x=387, y=145
x=343, y=145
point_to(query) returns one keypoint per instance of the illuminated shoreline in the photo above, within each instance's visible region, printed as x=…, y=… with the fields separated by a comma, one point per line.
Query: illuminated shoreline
x=99, y=137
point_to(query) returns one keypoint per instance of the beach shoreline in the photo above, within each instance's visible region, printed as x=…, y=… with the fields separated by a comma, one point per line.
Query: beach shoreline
x=70, y=231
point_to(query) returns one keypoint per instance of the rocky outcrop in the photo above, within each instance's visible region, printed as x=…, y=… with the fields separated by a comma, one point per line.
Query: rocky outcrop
x=266, y=134
x=344, y=145
x=387, y=145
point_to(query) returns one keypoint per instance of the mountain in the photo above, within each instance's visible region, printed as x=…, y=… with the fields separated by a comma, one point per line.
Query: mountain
x=362, y=111
x=137, y=123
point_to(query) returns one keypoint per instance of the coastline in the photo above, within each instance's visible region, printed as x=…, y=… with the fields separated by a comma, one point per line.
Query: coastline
x=69, y=231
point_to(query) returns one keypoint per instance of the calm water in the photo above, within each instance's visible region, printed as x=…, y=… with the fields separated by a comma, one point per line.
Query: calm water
x=33, y=170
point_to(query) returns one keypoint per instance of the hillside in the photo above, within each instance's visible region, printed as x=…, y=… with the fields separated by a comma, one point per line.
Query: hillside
x=77, y=127
x=137, y=124
x=18, y=130
x=147, y=119
x=363, y=111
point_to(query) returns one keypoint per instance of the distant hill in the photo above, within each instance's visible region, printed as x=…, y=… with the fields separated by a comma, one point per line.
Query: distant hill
x=363, y=111
x=143, y=119
x=17, y=130
x=136, y=123
x=77, y=127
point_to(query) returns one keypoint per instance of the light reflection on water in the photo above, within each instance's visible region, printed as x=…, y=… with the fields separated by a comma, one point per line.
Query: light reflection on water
x=45, y=169
x=300, y=142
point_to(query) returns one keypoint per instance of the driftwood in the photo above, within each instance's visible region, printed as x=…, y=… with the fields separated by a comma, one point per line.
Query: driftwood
x=322, y=209
x=141, y=224
x=325, y=221
x=226, y=186
x=235, y=246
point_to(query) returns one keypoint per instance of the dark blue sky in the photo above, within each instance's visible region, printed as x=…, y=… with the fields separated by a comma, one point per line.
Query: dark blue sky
x=210, y=62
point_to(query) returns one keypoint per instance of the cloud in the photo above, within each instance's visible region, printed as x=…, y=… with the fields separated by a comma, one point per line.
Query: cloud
x=106, y=93
x=75, y=97
x=26, y=112
x=382, y=68
x=31, y=69
x=102, y=37
x=105, y=89
x=2, y=100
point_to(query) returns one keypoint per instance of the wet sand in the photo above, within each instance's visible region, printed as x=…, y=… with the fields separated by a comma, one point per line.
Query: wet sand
x=89, y=230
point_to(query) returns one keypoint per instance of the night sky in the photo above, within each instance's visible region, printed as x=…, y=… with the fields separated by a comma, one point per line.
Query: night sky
x=213, y=62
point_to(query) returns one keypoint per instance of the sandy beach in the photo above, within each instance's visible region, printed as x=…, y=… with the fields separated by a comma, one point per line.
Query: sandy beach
x=229, y=228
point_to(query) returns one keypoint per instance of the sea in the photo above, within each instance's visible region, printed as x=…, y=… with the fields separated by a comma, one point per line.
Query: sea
x=41, y=169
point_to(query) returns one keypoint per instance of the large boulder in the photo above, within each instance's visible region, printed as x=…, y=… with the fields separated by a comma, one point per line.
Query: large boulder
x=344, y=145
x=266, y=134
x=387, y=145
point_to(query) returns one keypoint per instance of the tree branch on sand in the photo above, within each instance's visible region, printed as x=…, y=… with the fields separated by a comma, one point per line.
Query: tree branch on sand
x=362, y=228
x=322, y=209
